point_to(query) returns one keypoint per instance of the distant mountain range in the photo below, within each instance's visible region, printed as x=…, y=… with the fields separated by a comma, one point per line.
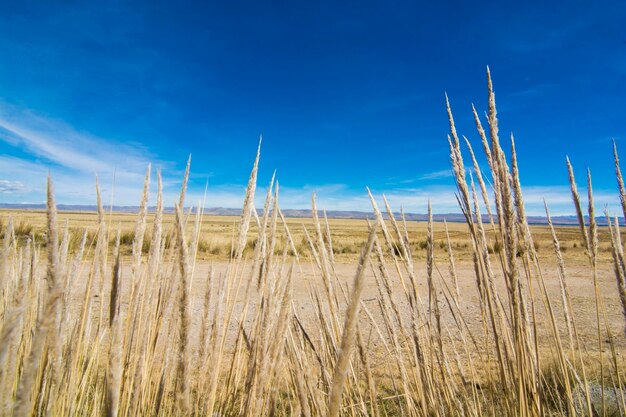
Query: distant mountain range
x=306, y=213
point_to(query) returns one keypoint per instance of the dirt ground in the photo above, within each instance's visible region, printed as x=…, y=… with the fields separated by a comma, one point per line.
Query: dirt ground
x=348, y=236
x=307, y=280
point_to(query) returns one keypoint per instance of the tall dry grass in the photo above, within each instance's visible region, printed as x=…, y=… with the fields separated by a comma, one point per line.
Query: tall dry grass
x=85, y=334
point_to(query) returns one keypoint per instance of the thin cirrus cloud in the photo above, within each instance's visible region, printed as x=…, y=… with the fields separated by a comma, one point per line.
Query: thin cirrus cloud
x=10, y=187
x=435, y=175
x=61, y=145
x=35, y=146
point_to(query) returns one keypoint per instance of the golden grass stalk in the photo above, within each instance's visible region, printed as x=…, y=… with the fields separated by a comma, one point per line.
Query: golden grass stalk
x=430, y=247
x=114, y=366
x=140, y=227
x=45, y=337
x=183, y=188
x=577, y=205
x=248, y=207
x=183, y=318
x=620, y=180
x=349, y=330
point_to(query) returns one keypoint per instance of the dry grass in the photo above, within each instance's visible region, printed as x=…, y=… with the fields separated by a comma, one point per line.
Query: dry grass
x=118, y=315
x=348, y=235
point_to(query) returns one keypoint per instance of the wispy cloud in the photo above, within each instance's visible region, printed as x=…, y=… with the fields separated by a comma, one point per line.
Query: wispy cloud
x=530, y=92
x=35, y=146
x=435, y=175
x=11, y=187
x=59, y=144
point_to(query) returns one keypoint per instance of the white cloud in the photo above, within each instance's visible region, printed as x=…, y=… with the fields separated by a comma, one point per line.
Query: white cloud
x=11, y=187
x=444, y=173
x=73, y=159
x=57, y=144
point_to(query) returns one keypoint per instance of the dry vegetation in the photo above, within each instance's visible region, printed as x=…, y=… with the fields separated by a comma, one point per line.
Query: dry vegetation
x=348, y=235
x=117, y=315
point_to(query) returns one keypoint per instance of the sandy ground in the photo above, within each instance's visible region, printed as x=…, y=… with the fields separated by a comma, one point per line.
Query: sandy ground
x=307, y=279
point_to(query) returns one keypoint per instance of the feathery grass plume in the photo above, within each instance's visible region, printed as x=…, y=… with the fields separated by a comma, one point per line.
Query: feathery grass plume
x=497, y=155
x=45, y=336
x=138, y=281
x=55, y=292
x=587, y=241
x=618, y=261
x=530, y=256
x=593, y=226
x=260, y=248
x=6, y=256
x=145, y=304
x=140, y=227
x=493, y=120
x=114, y=366
x=329, y=239
x=272, y=238
x=183, y=188
x=481, y=182
x=429, y=260
x=577, y=205
x=195, y=241
x=155, y=243
x=114, y=302
x=460, y=181
x=349, y=329
x=530, y=253
x=184, y=344
x=204, y=327
x=101, y=252
x=489, y=297
x=455, y=138
x=620, y=180
x=518, y=197
x=483, y=137
x=517, y=346
x=593, y=258
x=197, y=226
x=248, y=206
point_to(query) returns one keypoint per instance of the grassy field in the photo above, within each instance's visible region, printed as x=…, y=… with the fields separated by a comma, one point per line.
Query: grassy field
x=348, y=235
x=184, y=315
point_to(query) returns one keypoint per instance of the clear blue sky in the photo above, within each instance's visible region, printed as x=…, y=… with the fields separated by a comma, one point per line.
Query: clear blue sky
x=346, y=95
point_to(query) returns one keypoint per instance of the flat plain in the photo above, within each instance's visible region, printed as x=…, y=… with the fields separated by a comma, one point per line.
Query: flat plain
x=348, y=236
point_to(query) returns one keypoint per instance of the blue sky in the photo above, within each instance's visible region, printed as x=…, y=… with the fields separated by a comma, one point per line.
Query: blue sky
x=346, y=95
